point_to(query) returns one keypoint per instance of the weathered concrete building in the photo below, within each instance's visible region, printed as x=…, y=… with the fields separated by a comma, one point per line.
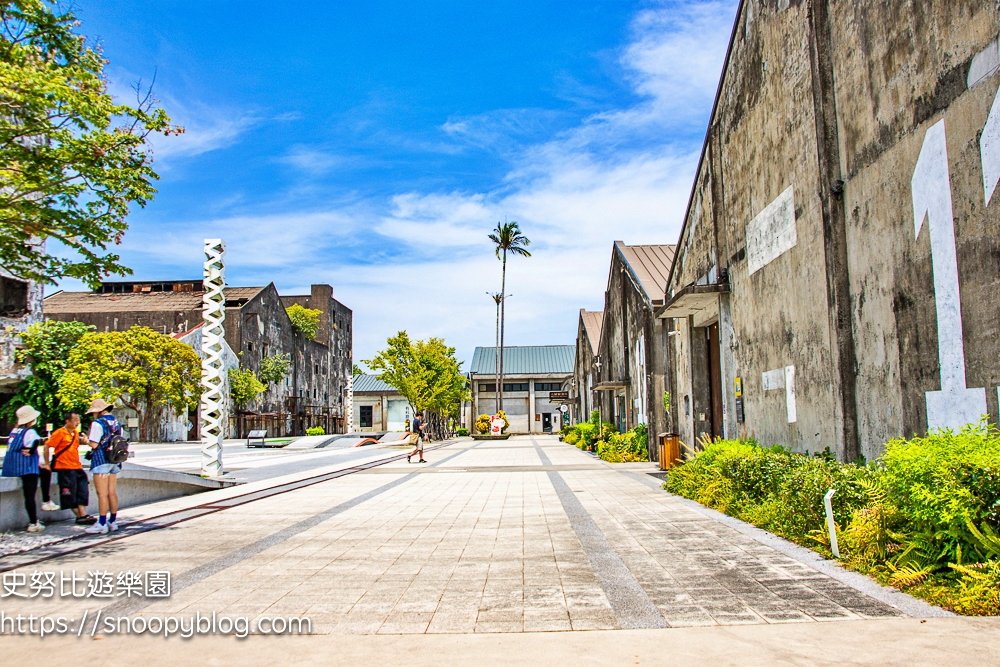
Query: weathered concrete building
x=535, y=386
x=632, y=350
x=20, y=307
x=588, y=338
x=256, y=325
x=836, y=273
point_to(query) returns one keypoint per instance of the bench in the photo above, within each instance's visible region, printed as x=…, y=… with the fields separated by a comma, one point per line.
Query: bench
x=257, y=435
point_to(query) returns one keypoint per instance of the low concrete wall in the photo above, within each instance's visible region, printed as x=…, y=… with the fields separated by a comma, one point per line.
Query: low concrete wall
x=137, y=485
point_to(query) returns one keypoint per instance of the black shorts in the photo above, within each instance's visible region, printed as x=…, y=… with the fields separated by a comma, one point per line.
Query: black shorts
x=73, y=489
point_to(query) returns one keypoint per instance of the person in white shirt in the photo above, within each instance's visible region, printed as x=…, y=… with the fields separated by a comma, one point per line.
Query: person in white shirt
x=105, y=474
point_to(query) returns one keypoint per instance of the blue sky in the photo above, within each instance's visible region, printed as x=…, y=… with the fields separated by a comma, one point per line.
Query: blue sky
x=373, y=146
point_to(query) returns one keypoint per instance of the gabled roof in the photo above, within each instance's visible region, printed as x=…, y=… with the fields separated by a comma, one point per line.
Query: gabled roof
x=525, y=360
x=371, y=384
x=93, y=302
x=592, y=322
x=650, y=264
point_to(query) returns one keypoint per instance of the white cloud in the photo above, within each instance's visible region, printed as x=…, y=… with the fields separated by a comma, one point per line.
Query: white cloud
x=311, y=160
x=265, y=242
x=677, y=56
x=206, y=128
x=436, y=221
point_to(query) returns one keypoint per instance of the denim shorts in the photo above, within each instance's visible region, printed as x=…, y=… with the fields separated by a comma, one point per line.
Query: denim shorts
x=106, y=469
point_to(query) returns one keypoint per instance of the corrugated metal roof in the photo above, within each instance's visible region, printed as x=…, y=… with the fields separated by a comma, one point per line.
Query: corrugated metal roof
x=651, y=266
x=372, y=384
x=92, y=302
x=525, y=360
x=593, y=320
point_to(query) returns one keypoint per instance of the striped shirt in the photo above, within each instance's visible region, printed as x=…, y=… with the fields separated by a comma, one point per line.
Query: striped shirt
x=15, y=463
x=108, y=426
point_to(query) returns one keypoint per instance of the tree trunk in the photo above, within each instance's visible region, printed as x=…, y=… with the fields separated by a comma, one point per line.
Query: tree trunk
x=503, y=303
x=496, y=365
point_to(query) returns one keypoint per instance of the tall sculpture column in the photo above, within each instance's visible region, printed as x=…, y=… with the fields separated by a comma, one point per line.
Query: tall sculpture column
x=213, y=403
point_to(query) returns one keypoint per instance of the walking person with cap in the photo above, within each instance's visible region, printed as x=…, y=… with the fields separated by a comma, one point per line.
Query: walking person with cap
x=416, y=437
x=105, y=474
x=21, y=461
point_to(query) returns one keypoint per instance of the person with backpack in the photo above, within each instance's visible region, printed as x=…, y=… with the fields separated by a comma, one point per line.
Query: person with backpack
x=105, y=432
x=21, y=461
x=74, y=493
x=416, y=440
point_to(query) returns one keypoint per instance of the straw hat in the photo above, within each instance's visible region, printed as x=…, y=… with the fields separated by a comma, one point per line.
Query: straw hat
x=27, y=414
x=98, y=405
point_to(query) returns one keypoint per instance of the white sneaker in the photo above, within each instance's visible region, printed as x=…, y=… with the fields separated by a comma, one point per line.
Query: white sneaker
x=113, y=526
x=96, y=529
x=50, y=507
x=36, y=527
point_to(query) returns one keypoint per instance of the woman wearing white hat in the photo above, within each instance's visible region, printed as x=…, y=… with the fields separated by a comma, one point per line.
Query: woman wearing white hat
x=105, y=474
x=21, y=461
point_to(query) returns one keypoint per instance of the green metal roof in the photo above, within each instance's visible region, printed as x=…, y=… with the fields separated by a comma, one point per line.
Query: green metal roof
x=526, y=360
x=372, y=384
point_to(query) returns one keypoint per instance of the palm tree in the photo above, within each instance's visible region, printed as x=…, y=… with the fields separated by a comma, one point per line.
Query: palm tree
x=497, y=297
x=507, y=238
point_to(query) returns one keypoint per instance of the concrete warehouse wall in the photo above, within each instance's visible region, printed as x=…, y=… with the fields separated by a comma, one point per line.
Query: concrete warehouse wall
x=841, y=198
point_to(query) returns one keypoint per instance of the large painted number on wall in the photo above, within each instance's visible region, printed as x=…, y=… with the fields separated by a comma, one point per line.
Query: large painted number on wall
x=955, y=405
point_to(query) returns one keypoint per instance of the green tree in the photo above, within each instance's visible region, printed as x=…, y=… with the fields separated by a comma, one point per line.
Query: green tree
x=140, y=368
x=274, y=368
x=506, y=238
x=46, y=348
x=426, y=373
x=71, y=159
x=244, y=386
x=304, y=320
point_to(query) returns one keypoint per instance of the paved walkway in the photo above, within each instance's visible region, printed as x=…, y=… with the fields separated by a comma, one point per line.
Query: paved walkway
x=526, y=535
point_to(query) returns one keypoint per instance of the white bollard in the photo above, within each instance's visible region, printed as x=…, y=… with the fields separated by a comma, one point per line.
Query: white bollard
x=830, y=524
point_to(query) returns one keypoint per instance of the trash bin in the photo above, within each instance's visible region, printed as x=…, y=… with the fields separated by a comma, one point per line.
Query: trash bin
x=669, y=450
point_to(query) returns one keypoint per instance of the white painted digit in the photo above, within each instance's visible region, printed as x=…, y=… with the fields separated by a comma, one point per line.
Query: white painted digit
x=955, y=405
x=989, y=150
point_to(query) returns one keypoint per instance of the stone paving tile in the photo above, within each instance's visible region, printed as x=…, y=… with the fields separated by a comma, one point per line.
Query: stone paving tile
x=699, y=571
x=468, y=551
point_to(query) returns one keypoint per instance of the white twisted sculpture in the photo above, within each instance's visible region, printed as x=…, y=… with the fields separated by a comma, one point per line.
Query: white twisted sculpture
x=213, y=404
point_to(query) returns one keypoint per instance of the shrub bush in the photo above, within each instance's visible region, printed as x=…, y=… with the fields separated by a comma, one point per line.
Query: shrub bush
x=462, y=431
x=315, y=430
x=625, y=447
x=928, y=509
x=581, y=435
x=482, y=424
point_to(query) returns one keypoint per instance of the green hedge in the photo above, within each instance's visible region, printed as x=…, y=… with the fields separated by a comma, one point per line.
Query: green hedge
x=624, y=447
x=925, y=515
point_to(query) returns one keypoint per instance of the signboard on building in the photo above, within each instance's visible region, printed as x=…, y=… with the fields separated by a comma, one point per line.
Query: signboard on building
x=558, y=396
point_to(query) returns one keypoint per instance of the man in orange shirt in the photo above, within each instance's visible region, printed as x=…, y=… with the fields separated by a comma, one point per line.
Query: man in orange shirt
x=74, y=494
